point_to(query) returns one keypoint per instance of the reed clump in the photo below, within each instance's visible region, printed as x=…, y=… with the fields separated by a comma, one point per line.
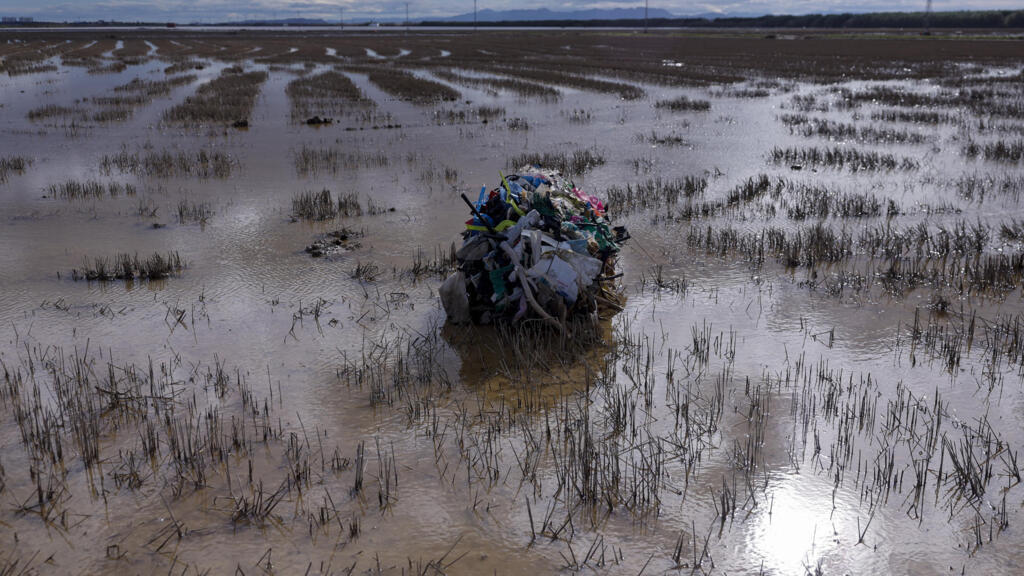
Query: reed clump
x=913, y=116
x=12, y=165
x=312, y=161
x=167, y=164
x=184, y=65
x=55, y=111
x=803, y=201
x=577, y=115
x=841, y=157
x=999, y=151
x=365, y=272
x=833, y=130
x=654, y=193
x=106, y=67
x=130, y=267
x=115, y=114
x=577, y=162
x=20, y=68
x=321, y=205
x=314, y=205
x=193, y=212
x=655, y=138
x=517, y=124
x=440, y=265
x=79, y=189
x=683, y=104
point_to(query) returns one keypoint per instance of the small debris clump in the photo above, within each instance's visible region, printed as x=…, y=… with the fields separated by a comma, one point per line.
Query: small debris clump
x=334, y=242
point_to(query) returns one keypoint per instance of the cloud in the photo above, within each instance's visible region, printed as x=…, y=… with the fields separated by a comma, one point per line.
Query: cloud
x=218, y=10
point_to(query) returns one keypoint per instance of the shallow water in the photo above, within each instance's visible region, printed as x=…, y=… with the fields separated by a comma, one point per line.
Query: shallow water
x=780, y=356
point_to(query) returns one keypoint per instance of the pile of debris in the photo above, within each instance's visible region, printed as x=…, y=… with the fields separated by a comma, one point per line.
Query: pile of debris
x=536, y=247
x=334, y=242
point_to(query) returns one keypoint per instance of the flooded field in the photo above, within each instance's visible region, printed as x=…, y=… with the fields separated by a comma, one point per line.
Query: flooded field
x=223, y=349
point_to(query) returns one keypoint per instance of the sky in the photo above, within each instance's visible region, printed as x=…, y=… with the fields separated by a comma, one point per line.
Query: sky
x=229, y=10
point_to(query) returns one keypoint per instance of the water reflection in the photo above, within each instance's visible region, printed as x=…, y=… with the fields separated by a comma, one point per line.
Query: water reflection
x=529, y=366
x=797, y=530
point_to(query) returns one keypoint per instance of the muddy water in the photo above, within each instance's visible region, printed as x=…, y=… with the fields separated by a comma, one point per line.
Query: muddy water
x=445, y=479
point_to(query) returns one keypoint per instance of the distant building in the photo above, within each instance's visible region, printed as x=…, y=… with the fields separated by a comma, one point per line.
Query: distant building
x=8, y=20
x=25, y=20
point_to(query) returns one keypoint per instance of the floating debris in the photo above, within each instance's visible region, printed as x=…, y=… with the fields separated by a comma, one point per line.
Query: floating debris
x=536, y=247
x=334, y=242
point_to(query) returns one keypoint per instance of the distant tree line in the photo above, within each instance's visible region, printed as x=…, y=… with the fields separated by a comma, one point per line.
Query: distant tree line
x=964, y=19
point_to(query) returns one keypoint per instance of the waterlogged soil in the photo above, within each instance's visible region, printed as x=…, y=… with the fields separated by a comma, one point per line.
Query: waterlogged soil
x=746, y=413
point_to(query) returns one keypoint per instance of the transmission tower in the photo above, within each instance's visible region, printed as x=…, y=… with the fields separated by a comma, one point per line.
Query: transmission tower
x=928, y=18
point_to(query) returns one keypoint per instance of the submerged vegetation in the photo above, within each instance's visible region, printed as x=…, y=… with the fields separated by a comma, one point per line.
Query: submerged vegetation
x=1000, y=151
x=841, y=157
x=654, y=194
x=75, y=189
x=309, y=160
x=194, y=212
x=620, y=89
x=12, y=165
x=321, y=206
x=227, y=99
x=841, y=131
x=130, y=267
x=167, y=164
x=152, y=88
x=49, y=111
x=578, y=162
x=325, y=94
x=517, y=86
x=408, y=87
x=684, y=104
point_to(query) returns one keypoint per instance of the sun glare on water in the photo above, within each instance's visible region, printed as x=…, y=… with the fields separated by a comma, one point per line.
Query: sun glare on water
x=794, y=530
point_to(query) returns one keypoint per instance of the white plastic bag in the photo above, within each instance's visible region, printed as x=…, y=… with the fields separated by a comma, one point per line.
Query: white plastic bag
x=455, y=299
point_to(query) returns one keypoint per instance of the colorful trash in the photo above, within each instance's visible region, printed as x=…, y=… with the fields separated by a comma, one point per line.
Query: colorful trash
x=536, y=247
